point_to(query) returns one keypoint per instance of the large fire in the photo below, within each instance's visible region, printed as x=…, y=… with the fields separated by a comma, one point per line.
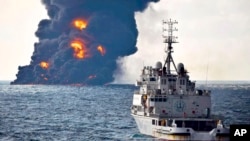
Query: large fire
x=101, y=49
x=44, y=65
x=80, y=50
x=80, y=24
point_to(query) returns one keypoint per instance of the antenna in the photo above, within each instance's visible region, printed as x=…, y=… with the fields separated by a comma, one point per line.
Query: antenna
x=169, y=39
x=207, y=72
x=206, y=75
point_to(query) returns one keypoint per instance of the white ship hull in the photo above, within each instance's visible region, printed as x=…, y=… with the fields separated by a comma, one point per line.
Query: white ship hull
x=145, y=126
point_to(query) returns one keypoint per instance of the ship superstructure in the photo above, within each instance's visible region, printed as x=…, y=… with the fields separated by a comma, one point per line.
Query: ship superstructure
x=168, y=105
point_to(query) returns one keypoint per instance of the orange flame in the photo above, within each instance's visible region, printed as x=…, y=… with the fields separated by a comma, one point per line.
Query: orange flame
x=80, y=24
x=80, y=50
x=44, y=65
x=101, y=49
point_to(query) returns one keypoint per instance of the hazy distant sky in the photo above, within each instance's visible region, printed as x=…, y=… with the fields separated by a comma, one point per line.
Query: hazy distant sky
x=18, y=23
x=213, y=34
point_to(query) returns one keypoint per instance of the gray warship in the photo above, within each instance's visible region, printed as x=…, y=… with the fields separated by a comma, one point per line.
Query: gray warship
x=168, y=105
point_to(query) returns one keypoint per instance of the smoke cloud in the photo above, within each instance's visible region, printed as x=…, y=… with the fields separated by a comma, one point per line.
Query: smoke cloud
x=81, y=41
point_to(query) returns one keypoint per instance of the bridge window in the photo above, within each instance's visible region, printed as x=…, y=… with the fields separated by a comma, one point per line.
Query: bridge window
x=153, y=122
x=163, y=81
x=182, y=82
x=164, y=99
x=171, y=80
x=152, y=79
x=156, y=99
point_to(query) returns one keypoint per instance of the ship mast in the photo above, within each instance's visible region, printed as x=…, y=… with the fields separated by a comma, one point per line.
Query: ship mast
x=169, y=39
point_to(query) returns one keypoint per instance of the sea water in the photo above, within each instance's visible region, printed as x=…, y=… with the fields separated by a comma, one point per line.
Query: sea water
x=87, y=113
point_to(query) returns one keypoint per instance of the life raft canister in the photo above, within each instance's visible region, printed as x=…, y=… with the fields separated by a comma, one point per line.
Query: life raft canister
x=163, y=122
x=144, y=99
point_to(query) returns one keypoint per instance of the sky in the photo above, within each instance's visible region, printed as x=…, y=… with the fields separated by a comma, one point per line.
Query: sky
x=18, y=23
x=213, y=38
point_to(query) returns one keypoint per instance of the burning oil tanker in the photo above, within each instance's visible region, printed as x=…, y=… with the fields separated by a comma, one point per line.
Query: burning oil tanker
x=81, y=41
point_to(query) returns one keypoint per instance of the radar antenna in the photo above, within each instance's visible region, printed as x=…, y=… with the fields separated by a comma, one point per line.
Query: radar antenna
x=169, y=39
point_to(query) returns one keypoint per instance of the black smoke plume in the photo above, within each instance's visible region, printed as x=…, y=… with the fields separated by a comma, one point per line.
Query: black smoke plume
x=110, y=23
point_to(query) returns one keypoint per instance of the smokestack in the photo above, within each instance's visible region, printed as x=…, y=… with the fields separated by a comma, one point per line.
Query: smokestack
x=81, y=41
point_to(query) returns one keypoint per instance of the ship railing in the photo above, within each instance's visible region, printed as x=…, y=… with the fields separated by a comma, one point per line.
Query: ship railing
x=136, y=92
x=157, y=92
x=162, y=116
x=202, y=92
x=149, y=92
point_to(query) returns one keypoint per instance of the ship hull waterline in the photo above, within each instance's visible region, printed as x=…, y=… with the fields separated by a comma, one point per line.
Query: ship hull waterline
x=145, y=126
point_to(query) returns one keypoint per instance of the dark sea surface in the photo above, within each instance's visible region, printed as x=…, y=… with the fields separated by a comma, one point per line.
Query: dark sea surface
x=87, y=113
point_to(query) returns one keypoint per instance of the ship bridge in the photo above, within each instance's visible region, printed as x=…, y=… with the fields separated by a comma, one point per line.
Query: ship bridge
x=166, y=93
